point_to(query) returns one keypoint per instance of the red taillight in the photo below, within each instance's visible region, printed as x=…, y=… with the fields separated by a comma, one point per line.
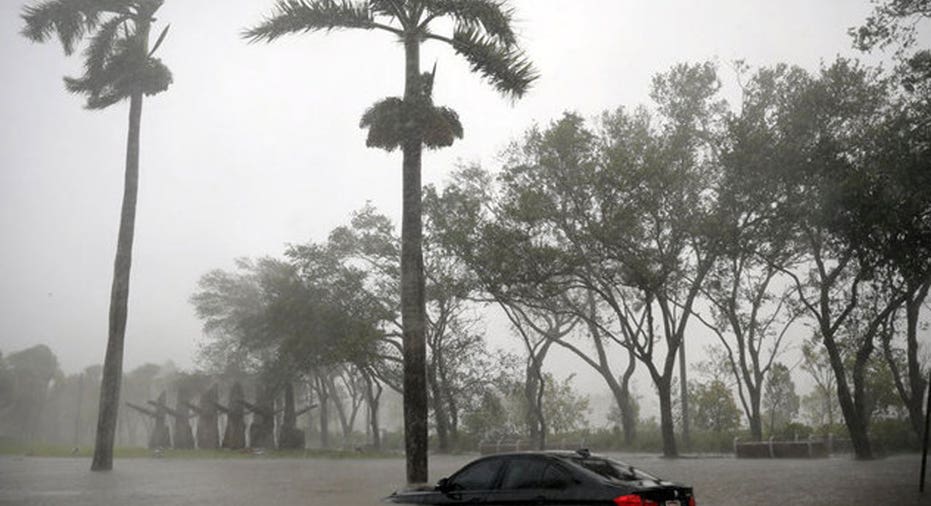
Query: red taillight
x=692, y=501
x=634, y=500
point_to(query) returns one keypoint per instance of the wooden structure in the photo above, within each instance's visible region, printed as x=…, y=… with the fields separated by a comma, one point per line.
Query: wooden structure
x=207, y=433
x=234, y=437
x=289, y=436
x=183, y=435
x=262, y=428
x=160, y=437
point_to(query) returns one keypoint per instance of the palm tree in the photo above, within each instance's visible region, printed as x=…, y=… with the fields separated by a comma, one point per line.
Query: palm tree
x=483, y=35
x=118, y=65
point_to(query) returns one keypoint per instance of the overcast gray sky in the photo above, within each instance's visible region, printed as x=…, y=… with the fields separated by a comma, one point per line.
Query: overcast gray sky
x=255, y=146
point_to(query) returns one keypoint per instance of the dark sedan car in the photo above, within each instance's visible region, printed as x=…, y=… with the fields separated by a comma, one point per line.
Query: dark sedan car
x=542, y=478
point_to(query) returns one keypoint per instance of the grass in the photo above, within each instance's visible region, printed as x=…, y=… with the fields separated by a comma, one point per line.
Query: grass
x=15, y=448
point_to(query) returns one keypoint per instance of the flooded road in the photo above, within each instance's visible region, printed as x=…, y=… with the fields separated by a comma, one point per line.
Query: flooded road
x=362, y=482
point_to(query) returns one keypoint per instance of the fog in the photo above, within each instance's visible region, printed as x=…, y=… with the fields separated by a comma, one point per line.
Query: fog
x=267, y=248
x=258, y=145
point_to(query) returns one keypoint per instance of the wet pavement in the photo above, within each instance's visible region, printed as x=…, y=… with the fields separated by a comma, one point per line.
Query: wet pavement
x=361, y=482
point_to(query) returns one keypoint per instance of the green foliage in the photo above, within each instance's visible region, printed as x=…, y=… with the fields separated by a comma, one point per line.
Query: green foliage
x=31, y=375
x=392, y=121
x=482, y=31
x=493, y=16
x=7, y=383
x=509, y=71
x=117, y=61
x=564, y=408
x=792, y=431
x=894, y=435
x=892, y=22
x=296, y=16
x=488, y=420
x=780, y=402
x=714, y=407
x=821, y=404
x=286, y=318
x=124, y=71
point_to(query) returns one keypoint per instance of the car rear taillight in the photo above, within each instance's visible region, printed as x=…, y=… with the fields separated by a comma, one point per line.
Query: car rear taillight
x=692, y=501
x=634, y=500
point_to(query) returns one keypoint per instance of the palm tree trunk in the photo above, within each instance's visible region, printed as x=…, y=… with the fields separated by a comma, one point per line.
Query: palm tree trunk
x=412, y=281
x=119, y=295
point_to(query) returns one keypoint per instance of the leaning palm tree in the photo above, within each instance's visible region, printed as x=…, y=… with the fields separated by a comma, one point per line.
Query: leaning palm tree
x=118, y=65
x=482, y=33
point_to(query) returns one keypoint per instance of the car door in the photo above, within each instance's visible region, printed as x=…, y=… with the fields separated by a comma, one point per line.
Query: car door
x=537, y=481
x=472, y=484
x=521, y=483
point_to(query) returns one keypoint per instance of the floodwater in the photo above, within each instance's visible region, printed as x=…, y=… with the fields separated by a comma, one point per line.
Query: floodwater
x=362, y=482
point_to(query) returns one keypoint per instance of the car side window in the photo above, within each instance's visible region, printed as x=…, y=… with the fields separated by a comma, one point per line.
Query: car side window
x=555, y=478
x=523, y=473
x=478, y=476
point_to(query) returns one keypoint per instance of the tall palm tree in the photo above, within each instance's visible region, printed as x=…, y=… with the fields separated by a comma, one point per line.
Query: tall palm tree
x=118, y=64
x=483, y=35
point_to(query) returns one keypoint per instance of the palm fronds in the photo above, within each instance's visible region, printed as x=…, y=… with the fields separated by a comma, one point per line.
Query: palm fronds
x=440, y=127
x=116, y=63
x=493, y=17
x=70, y=20
x=297, y=16
x=391, y=120
x=507, y=68
x=125, y=69
x=101, y=45
x=389, y=8
x=385, y=124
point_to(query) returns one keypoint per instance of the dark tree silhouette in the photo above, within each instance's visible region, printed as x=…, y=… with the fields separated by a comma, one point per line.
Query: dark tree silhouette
x=483, y=35
x=118, y=65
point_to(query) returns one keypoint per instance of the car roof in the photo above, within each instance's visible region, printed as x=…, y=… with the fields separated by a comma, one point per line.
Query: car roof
x=551, y=453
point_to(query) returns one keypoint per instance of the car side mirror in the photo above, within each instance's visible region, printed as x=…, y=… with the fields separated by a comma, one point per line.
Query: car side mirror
x=443, y=484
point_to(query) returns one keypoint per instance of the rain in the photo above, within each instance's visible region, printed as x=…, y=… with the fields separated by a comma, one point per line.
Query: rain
x=334, y=251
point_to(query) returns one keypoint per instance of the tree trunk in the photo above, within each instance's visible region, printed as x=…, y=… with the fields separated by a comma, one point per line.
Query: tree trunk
x=756, y=422
x=289, y=436
x=533, y=390
x=184, y=436
x=324, y=412
x=412, y=280
x=620, y=389
x=628, y=415
x=78, y=409
x=667, y=429
x=858, y=434
x=439, y=411
x=684, y=394
x=208, y=432
x=453, y=415
x=373, y=396
x=119, y=292
x=916, y=379
x=234, y=437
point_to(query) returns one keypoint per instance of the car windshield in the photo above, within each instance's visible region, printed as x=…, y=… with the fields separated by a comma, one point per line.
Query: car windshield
x=612, y=469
